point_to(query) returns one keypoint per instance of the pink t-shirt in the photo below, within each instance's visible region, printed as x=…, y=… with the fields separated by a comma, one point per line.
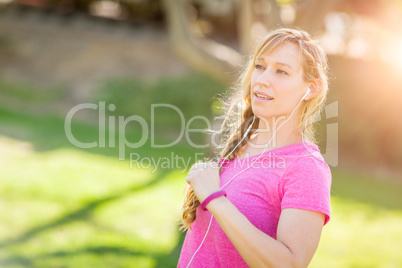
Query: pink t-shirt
x=293, y=176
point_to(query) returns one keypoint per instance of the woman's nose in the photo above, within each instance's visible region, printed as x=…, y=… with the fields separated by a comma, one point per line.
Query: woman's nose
x=263, y=79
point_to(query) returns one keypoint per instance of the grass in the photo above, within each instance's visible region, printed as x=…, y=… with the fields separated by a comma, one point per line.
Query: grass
x=66, y=207
x=63, y=206
x=27, y=93
x=192, y=95
x=365, y=227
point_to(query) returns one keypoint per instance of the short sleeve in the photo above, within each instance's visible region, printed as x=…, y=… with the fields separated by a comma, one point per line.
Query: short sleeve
x=306, y=184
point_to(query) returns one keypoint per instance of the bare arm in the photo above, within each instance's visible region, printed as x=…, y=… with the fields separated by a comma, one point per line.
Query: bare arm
x=298, y=235
x=298, y=232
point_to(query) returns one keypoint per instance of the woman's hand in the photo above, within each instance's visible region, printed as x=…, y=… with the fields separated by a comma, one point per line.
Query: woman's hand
x=204, y=178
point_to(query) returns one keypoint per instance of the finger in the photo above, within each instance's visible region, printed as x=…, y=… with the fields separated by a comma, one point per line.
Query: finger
x=198, y=167
x=194, y=171
x=201, y=164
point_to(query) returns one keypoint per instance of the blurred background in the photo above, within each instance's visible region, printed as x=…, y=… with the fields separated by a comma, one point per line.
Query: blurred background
x=64, y=206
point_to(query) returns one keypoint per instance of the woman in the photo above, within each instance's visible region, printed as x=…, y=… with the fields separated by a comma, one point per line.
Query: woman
x=266, y=205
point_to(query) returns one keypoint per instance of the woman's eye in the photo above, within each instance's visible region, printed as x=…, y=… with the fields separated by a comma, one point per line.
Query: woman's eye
x=258, y=66
x=281, y=72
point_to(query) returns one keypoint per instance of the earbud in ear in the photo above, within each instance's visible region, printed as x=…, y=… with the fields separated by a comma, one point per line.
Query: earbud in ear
x=305, y=95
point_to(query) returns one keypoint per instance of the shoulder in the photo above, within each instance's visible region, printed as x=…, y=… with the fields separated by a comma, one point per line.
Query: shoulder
x=307, y=163
x=311, y=169
x=306, y=184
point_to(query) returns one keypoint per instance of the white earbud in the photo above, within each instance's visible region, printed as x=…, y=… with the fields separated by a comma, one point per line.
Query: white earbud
x=305, y=95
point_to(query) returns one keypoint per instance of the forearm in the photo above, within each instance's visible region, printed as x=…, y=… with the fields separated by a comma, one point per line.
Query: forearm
x=257, y=248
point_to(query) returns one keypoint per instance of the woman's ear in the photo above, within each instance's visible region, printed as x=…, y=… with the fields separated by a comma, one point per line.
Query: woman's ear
x=315, y=88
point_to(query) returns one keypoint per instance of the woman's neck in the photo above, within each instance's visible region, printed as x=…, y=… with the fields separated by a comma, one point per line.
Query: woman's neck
x=285, y=135
x=277, y=132
x=256, y=145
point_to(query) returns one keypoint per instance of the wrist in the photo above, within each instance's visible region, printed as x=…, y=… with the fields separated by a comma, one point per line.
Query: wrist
x=212, y=197
x=217, y=204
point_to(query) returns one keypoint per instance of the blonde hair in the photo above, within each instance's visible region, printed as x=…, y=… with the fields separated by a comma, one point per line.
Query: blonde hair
x=315, y=66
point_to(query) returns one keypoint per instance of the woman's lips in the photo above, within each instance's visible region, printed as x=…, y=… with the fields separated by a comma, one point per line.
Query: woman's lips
x=262, y=98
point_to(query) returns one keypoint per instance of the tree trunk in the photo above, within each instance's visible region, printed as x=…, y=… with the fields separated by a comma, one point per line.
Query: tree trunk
x=205, y=55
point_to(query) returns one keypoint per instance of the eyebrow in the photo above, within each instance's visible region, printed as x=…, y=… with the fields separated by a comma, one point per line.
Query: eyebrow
x=277, y=63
